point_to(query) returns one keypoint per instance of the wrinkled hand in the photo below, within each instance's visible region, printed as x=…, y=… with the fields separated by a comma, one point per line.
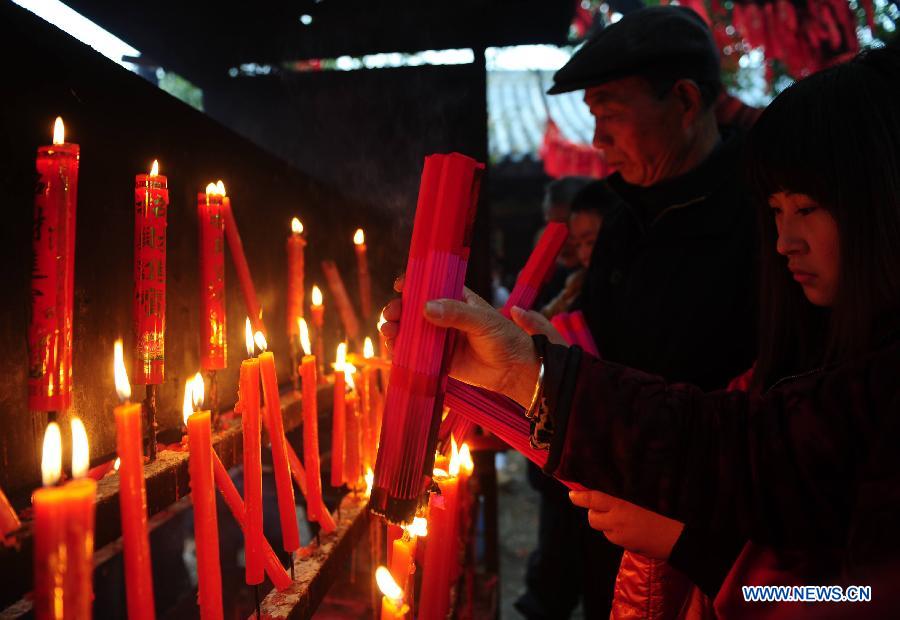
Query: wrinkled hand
x=628, y=525
x=536, y=323
x=492, y=352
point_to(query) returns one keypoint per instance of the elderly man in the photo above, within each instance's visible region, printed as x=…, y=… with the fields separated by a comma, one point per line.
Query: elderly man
x=671, y=280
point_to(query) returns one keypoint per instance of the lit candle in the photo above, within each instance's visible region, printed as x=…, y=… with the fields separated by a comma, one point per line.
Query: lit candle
x=352, y=470
x=466, y=467
x=151, y=203
x=290, y=532
x=338, y=417
x=310, y=427
x=203, y=497
x=317, y=312
x=403, y=550
x=392, y=605
x=367, y=396
x=132, y=496
x=295, y=245
x=341, y=299
x=250, y=423
x=211, y=226
x=64, y=531
x=233, y=236
x=53, y=275
x=362, y=266
x=441, y=550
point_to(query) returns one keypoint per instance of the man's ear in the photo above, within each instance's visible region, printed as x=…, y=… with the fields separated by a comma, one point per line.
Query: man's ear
x=688, y=95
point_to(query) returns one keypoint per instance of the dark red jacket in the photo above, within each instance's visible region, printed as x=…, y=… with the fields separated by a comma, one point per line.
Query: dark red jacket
x=810, y=468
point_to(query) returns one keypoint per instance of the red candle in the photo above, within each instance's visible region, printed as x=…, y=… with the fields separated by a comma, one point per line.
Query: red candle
x=403, y=550
x=9, y=519
x=64, y=531
x=53, y=276
x=310, y=427
x=240, y=263
x=341, y=299
x=274, y=569
x=250, y=423
x=317, y=312
x=338, y=418
x=132, y=497
x=290, y=532
x=392, y=605
x=441, y=552
x=352, y=471
x=362, y=267
x=203, y=497
x=367, y=395
x=211, y=226
x=151, y=203
x=295, y=245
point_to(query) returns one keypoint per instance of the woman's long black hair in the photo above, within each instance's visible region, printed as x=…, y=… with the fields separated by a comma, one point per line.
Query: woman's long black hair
x=834, y=136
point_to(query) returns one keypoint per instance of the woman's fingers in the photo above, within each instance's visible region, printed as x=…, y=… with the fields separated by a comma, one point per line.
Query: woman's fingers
x=398, y=283
x=601, y=521
x=392, y=311
x=593, y=500
x=536, y=323
x=468, y=316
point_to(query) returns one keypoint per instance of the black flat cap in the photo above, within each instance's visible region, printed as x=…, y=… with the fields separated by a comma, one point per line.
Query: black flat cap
x=670, y=39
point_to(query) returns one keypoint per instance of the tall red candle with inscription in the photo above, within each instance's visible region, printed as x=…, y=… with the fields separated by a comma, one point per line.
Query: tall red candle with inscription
x=132, y=497
x=53, y=275
x=295, y=245
x=211, y=224
x=203, y=497
x=151, y=204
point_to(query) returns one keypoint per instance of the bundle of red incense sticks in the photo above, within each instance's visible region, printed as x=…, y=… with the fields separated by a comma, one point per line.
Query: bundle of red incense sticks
x=501, y=416
x=528, y=285
x=573, y=327
x=436, y=268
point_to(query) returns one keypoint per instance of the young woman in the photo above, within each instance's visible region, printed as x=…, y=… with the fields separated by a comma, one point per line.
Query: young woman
x=807, y=463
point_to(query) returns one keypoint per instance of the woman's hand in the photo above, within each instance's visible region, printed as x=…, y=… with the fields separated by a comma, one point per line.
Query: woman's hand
x=536, y=323
x=492, y=352
x=628, y=525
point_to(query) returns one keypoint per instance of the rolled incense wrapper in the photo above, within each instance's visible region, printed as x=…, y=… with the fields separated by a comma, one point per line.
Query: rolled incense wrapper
x=206, y=526
x=133, y=507
x=151, y=205
x=211, y=226
x=341, y=299
x=338, y=421
x=233, y=236
x=279, y=577
x=287, y=511
x=311, y=438
x=53, y=276
x=295, y=245
x=253, y=509
x=362, y=270
x=538, y=267
x=435, y=269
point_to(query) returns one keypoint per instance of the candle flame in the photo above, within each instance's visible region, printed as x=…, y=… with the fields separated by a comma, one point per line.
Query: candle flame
x=340, y=358
x=81, y=458
x=359, y=237
x=370, y=480
x=211, y=189
x=316, y=296
x=304, y=336
x=123, y=388
x=154, y=169
x=368, y=349
x=187, y=403
x=260, y=341
x=117, y=464
x=59, y=131
x=248, y=338
x=465, y=460
x=453, y=468
x=439, y=473
x=349, y=371
x=418, y=528
x=51, y=455
x=296, y=226
x=220, y=187
x=197, y=391
x=388, y=586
